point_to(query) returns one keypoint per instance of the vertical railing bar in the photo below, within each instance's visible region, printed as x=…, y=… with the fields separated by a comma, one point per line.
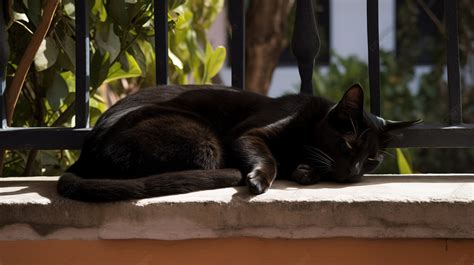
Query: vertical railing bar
x=4, y=51
x=161, y=41
x=82, y=64
x=237, y=21
x=3, y=85
x=374, y=55
x=452, y=47
x=305, y=43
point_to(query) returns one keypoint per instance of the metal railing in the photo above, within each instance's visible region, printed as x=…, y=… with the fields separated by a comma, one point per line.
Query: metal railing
x=305, y=46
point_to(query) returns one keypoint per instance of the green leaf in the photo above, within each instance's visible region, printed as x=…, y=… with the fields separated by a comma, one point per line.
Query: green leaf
x=97, y=107
x=56, y=90
x=94, y=115
x=184, y=20
x=208, y=51
x=137, y=53
x=70, y=49
x=403, y=164
x=149, y=53
x=98, y=102
x=117, y=70
x=175, y=60
x=175, y=3
x=99, y=10
x=213, y=61
x=216, y=61
x=70, y=79
x=118, y=10
x=107, y=40
x=100, y=65
x=69, y=8
x=46, y=55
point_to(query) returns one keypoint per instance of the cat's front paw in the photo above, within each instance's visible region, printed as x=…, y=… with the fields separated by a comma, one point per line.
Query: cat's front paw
x=257, y=181
x=305, y=175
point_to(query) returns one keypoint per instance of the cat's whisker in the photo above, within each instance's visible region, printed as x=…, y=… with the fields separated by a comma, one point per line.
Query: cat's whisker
x=311, y=152
x=321, y=160
x=319, y=151
x=318, y=155
x=322, y=169
x=364, y=132
x=325, y=155
x=320, y=164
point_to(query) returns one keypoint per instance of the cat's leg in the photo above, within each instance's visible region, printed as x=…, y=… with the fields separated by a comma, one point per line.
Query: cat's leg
x=258, y=161
x=305, y=175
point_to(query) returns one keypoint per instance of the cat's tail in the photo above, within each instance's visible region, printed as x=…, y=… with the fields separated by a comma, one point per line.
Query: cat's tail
x=75, y=187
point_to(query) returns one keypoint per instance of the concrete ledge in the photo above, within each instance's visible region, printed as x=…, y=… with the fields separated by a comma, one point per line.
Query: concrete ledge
x=382, y=206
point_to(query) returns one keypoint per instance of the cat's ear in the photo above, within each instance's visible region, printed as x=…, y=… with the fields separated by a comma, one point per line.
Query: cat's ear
x=388, y=125
x=352, y=103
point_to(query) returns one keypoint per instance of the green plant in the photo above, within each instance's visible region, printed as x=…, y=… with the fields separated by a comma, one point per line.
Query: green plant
x=193, y=60
x=404, y=165
x=122, y=47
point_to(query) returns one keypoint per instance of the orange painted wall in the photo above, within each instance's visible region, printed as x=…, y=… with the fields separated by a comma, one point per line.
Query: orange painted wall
x=240, y=251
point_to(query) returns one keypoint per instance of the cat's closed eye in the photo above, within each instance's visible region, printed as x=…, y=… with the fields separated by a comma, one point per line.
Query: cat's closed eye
x=374, y=158
x=348, y=145
x=345, y=147
x=372, y=162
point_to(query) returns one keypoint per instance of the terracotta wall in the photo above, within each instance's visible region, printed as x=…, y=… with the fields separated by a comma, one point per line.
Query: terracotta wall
x=240, y=251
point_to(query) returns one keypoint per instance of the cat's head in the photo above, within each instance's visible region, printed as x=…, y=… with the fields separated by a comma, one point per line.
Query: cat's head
x=349, y=141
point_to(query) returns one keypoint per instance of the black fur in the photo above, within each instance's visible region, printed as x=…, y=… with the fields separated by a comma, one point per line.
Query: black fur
x=176, y=139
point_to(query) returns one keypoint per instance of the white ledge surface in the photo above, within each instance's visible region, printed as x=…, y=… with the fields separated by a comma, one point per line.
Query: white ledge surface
x=382, y=206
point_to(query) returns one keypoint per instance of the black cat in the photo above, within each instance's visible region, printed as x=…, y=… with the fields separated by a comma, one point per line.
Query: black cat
x=176, y=139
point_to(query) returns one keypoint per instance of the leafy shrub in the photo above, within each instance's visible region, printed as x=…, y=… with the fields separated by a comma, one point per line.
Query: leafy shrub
x=122, y=48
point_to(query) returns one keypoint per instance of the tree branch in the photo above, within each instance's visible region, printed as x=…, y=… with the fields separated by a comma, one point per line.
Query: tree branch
x=267, y=22
x=13, y=91
x=439, y=25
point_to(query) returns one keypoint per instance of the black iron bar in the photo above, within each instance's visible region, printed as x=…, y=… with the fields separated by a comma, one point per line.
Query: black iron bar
x=452, y=51
x=161, y=41
x=42, y=138
x=82, y=64
x=374, y=54
x=422, y=136
x=305, y=43
x=237, y=47
x=429, y=136
x=4, y=51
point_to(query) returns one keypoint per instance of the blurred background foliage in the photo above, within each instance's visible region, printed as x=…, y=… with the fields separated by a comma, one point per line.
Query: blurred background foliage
x=122, y=61
x=407, y=95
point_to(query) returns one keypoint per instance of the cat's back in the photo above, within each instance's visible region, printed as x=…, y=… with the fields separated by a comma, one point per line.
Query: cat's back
x=152, y=96
x=213, y=102
x=159, y=94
